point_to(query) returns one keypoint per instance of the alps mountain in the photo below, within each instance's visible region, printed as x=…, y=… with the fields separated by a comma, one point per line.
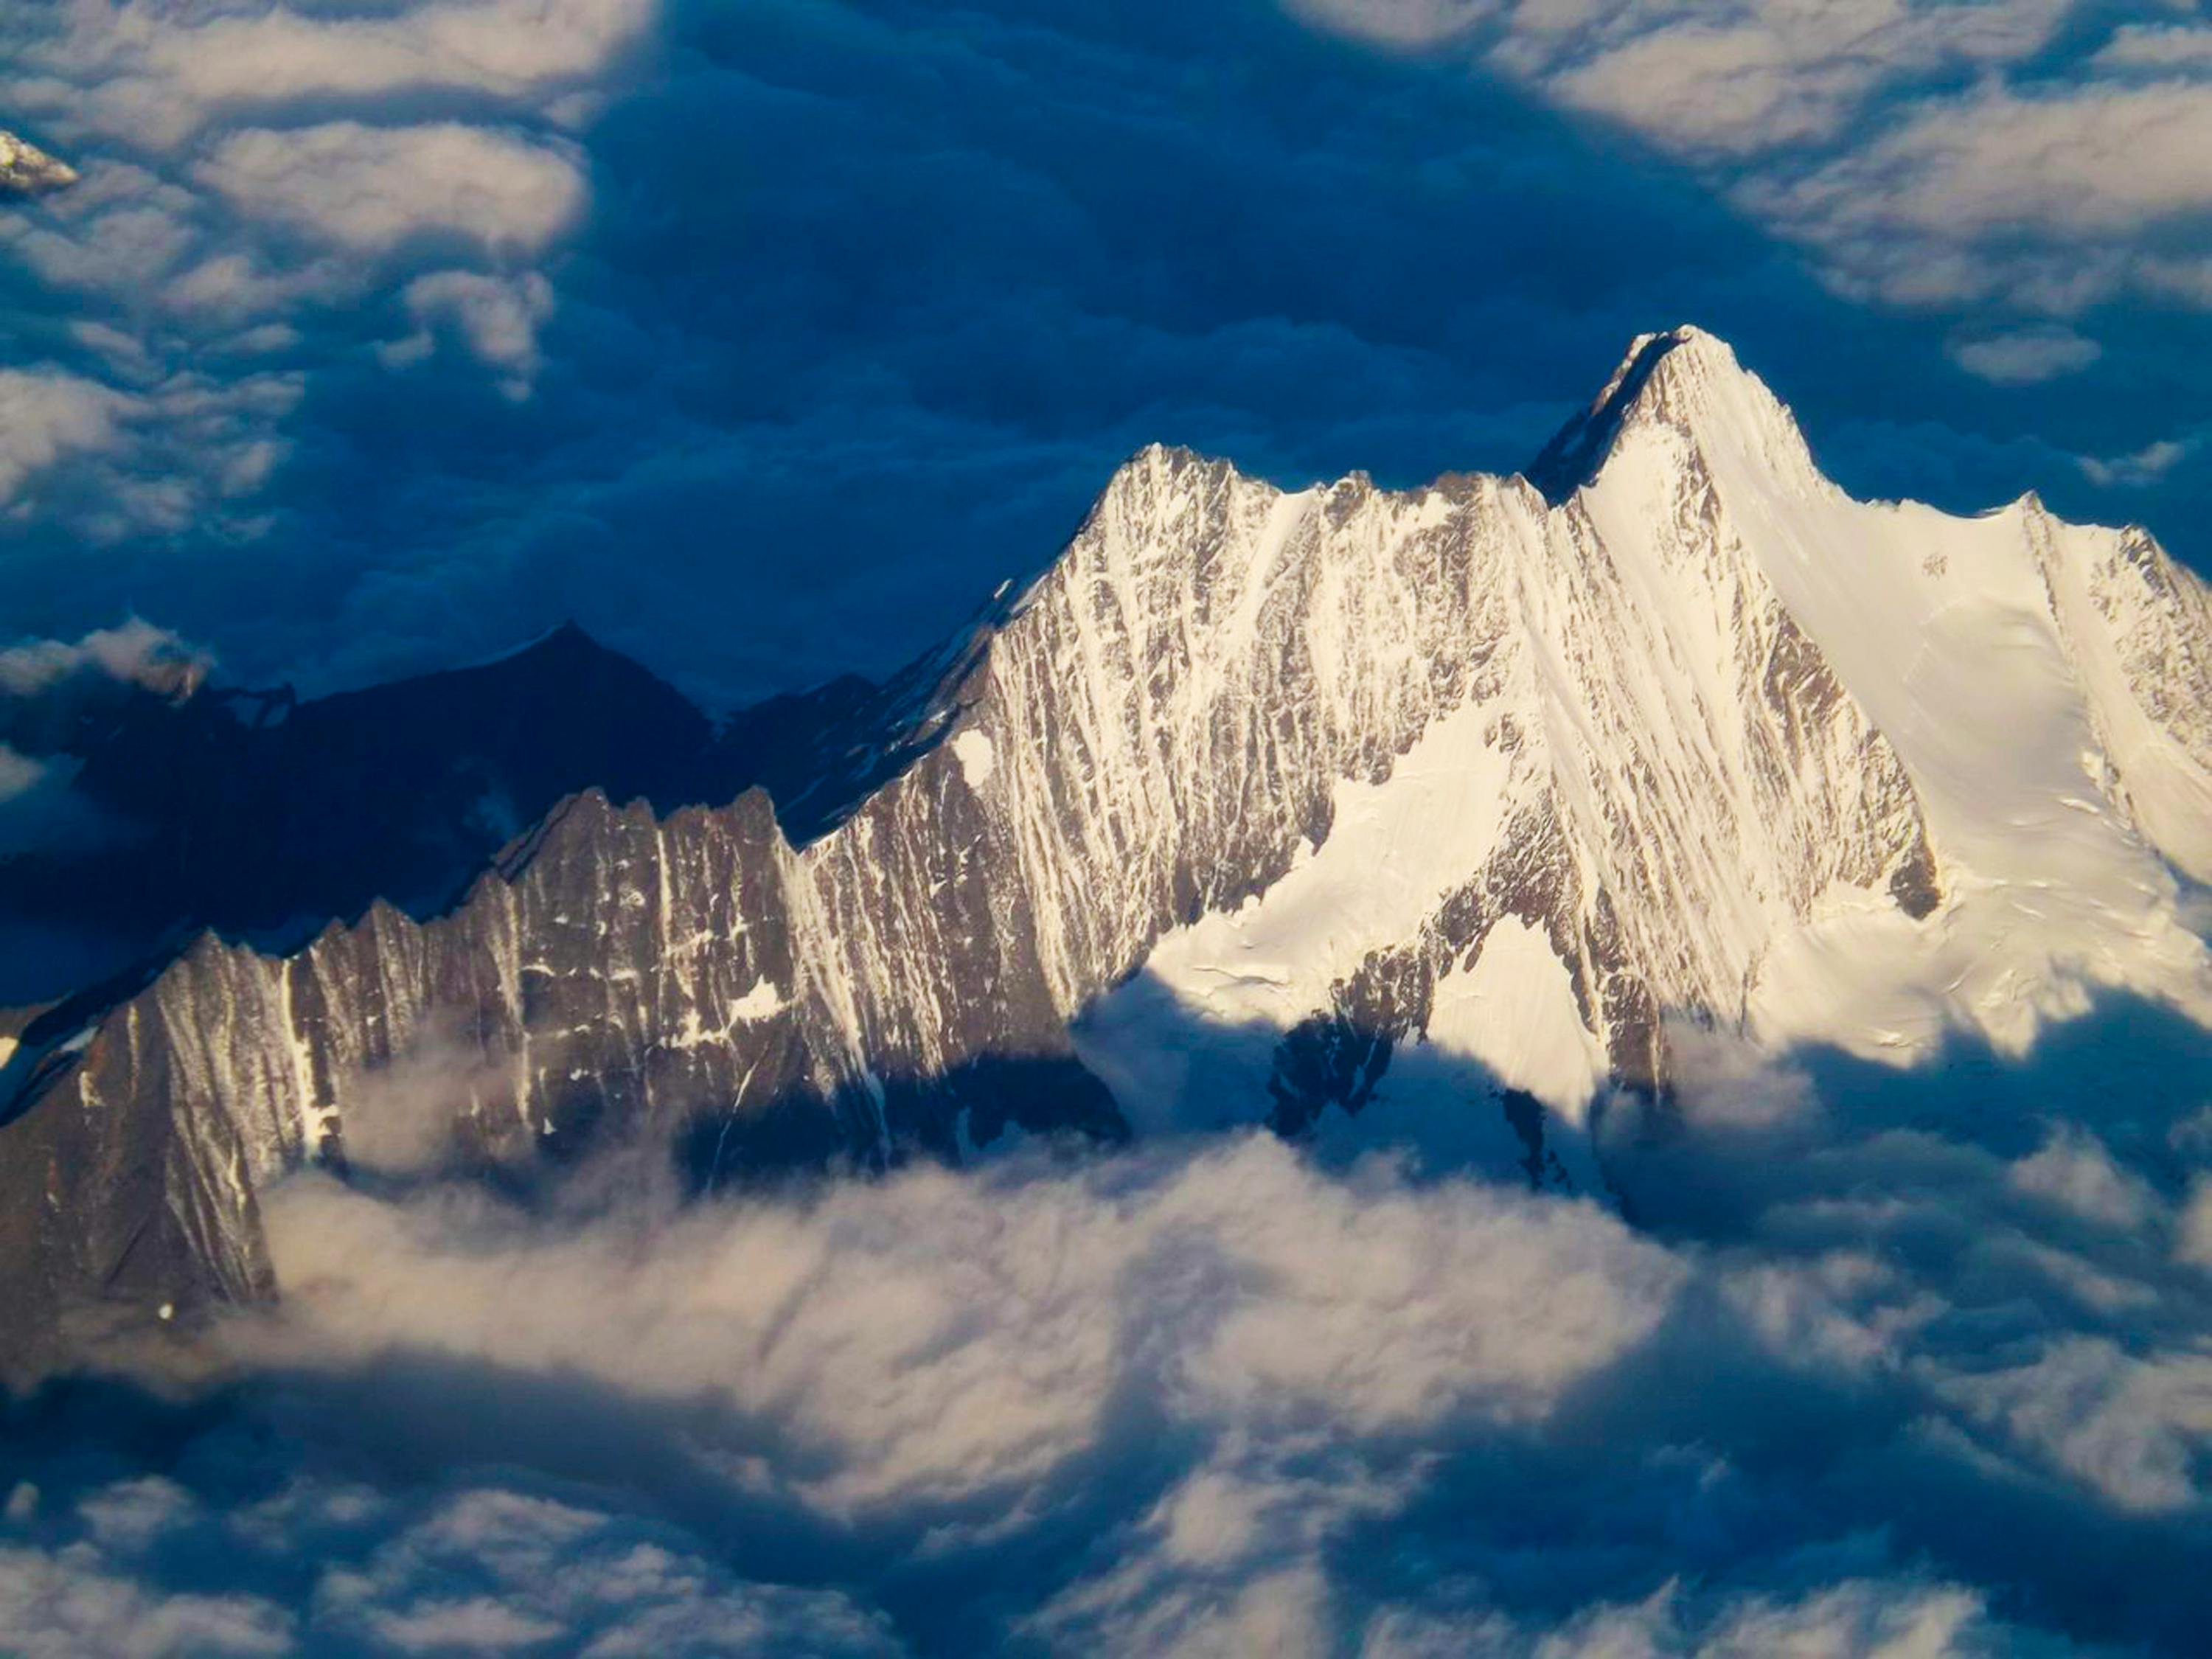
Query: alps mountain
x=1465, y=800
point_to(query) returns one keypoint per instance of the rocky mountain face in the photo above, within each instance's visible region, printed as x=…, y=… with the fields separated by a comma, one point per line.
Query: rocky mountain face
x=1255, y=803
x=265, y=817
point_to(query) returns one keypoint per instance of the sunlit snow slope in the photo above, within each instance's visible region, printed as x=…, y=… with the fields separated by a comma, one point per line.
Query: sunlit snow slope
x=1745, y=697
x=1267, y=804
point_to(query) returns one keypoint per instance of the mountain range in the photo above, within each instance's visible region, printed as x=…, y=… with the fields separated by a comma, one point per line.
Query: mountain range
x=1337, y=806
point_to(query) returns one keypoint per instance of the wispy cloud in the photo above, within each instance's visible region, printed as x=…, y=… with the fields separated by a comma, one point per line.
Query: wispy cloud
x=2142, y=468
x=47, y=414
x=370, y=189
x=2025, y=356
x=495, y=318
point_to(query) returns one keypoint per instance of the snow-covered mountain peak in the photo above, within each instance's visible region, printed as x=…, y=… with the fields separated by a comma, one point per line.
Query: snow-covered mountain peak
x=1681, y=401
x=1837, y=716
x=2040, y=682
x=26, y=170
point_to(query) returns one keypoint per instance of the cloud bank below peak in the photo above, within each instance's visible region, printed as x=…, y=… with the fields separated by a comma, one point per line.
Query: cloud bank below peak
x=1211, y=1396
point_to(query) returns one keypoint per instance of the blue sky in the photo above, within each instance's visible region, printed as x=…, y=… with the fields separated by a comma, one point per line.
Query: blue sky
x=764, y=339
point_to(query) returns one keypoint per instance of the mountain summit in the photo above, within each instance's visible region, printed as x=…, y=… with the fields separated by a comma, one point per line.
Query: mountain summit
x=26, y=170
x=1452, y=803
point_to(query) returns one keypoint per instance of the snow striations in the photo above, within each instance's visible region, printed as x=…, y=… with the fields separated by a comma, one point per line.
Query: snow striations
x=1263, y=804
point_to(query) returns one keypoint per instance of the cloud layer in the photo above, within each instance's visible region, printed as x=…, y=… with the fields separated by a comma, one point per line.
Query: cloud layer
x=260, y=185
x=1210, y=1396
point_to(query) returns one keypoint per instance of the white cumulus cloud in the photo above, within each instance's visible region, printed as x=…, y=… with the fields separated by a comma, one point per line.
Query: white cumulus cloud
x=496, y=317
x=142, y=70
x=1219, y=1397
x=46, y=414
x=249, y=170
x=2140, y=467
x=368, y=189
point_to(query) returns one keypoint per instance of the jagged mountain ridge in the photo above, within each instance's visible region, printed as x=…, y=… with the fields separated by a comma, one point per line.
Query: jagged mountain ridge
x=265, y=817
x=1347, y=776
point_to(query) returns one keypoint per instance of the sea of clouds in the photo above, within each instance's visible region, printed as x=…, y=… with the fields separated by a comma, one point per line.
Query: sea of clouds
x=1852, y=1364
